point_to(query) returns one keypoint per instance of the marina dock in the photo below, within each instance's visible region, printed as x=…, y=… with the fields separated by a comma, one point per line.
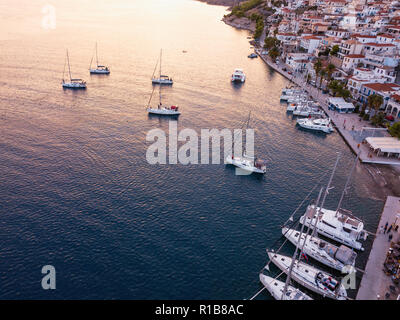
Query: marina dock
x=375, y=283
x=349, y=125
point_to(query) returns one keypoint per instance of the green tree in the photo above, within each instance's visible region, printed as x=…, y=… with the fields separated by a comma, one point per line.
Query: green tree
x=317, y=68
x=335, y=50
x=375, y=102
x=329, y=70
x=394, y=130
x=274, y=53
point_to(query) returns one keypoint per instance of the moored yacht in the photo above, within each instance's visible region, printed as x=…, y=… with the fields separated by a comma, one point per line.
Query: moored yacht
x=247, y=163
x=340, y=258
x=161, y=109
x=310, y=277
x=306, y=111
x=99, y=69
x=162, y=79
x=319, y=124
x=73, y=83
x=238, y=76
x=276, y=288
x=339, y=225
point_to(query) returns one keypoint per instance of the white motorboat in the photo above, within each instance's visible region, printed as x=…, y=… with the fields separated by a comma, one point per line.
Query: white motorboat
x=99, y=69
x=238, y=76
x=161, y=79
x=73, y=83
x=339, y=225
x=310, y=277
x=252, y=55
x=339, y=258
x=300, y=98
x=291, y=106
x=306, y=111
x=161, y=109
x=319, y=124
x=276, y=287
x=247, y=163
x=291, y=93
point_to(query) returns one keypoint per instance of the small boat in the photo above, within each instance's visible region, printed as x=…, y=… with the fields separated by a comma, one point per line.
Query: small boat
x=161, y=109
x=276, y=288
x=100, y=69
x=310, y=277
x=306, y=111
x=245, y=162
x=73, y=83
x=162, y=79
x=320, y=124
x=339, y=225
x=252, y=55
x=339, y=258
x=238, y=76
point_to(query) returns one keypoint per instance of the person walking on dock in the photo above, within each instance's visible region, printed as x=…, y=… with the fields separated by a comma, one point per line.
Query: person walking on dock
x=390, y=228
x=386, y=225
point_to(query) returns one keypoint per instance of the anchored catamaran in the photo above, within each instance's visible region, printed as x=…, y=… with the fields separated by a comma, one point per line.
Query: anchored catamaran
x=99, y=68
x=73, y=83
x=162, y=79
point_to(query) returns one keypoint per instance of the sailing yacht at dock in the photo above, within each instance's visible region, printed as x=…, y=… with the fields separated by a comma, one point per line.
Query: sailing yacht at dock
x=100, y=69
x=276, y=289
x=162, y=79
x=73, y=83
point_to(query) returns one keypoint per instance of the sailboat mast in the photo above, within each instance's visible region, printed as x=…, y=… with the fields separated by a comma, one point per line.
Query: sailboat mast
x=347, y=184
x=69, y=68
x=97, y=58
x=326, y=193
x=160, y=61
x=295, y=254
x=159, y=93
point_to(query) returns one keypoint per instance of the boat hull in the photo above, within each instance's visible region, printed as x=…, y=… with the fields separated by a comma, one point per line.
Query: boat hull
x=162, y=81
x=305, y=275
x=96, y=71
x=312, y=127
x=244, y=165
x=74, y=86
x=276, y=287
x=163, y=112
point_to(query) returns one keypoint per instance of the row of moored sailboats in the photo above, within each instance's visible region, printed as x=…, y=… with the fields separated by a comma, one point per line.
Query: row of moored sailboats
x=345, y=230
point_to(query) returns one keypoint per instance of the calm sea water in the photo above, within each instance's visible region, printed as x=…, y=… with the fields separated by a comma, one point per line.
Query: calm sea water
x=76, y=191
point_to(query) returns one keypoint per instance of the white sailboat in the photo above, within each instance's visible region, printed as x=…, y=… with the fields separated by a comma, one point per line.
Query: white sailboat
x=73, y=83
x=100, y=69
x=319, y=124
x=162, y=79
x=276, y=289
x=339, y=258
x=246, y=162
x=310, y=277
x=161, y=109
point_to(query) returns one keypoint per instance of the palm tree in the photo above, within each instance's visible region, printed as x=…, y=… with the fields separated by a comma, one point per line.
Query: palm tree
x=375, y=102
x=317, y=68
x=329, y=69
x=323, y=74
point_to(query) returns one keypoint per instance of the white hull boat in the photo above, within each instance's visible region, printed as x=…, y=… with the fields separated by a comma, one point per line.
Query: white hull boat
x=164, y=111
x=323, y=125
x=73, y=83
x=304, y=111
x=238, y=76
x=310, y=277
x=247, y=164
x=99, y=68
x=339, y=226
x=339, y=258
x=161, y=79
x=276, y=287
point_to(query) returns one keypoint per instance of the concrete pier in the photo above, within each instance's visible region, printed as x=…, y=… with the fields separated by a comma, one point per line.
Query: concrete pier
x=349, y=125
x=375, y=283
